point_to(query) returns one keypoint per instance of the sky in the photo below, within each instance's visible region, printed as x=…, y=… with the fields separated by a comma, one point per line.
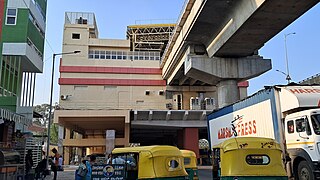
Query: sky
x=113, y=17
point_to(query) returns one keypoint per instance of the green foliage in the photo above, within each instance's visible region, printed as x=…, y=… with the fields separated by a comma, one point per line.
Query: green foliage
x=54, y=134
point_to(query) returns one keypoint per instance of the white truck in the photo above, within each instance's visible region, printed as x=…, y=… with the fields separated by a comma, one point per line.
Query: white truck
x=288, y=114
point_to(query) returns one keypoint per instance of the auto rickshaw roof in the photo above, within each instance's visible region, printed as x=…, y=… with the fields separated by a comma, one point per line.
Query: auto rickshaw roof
x=187, y=153
x=157, y=150
x=249, y=143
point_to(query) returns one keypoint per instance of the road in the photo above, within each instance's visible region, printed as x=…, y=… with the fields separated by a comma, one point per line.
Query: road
x=68, y=173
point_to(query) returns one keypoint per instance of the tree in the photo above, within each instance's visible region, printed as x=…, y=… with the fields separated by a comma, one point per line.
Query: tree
x=43, y=110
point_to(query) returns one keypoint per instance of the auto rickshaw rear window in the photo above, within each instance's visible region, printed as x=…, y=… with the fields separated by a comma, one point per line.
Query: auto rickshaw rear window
x=173, y=164
x=257, y=159
x=186, y=161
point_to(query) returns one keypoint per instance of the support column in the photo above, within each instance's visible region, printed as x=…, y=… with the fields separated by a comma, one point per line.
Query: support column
x=228, y=92
x=126, y=134
x=66, y=155
x=191, y=140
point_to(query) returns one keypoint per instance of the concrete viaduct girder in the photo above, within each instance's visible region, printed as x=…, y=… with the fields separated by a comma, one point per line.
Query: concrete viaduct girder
x=224, y=30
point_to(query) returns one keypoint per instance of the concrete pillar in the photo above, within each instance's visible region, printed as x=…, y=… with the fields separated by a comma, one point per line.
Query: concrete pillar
x=67, y=136
x=66, y=155
x=228, y=92
x=191, y=140
x=127, y=134
x=60, y=139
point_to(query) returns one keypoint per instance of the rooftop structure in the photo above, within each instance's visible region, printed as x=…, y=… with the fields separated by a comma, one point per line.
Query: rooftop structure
x=149, y=37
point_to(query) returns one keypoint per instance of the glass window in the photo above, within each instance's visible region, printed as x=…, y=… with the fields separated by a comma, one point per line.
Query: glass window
x=113, y=55
x=96, y=55
x=119, y=55
x=257, y=159
x=290, y=126
x=108, y=53
x=173, y=164
x=11, y=16
x=75, y=36
x=151, y=57
x=12, y=12
x=91, y=54
x=102, y=55
x=186, y=161
x=302, y=125
x=315, y=120
x=124, y=55
x=11, y=20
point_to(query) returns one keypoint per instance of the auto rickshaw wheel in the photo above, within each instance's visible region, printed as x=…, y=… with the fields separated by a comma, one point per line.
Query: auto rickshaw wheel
x=304, y=171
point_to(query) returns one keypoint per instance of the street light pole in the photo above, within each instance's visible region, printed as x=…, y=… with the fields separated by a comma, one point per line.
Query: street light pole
x=288, y=78
x=51, y=95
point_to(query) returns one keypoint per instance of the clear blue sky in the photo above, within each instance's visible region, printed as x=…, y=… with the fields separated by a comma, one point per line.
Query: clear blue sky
x=113, y=17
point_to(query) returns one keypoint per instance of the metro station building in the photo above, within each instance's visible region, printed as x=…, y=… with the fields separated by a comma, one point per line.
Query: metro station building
x=117, y=84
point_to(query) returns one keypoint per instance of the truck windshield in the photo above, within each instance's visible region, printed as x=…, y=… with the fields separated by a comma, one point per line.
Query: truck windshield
x=315, y=119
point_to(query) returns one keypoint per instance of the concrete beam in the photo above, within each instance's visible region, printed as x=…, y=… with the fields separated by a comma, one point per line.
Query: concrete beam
x=214, y=70
x=179, y=124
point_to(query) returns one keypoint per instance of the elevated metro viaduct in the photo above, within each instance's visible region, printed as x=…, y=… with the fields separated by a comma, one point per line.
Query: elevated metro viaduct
x=217, y=42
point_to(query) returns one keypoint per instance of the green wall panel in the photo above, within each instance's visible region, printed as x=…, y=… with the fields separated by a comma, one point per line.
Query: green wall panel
x=17, y=33
x=43, y=5
x=9, y=103
x=35, y=36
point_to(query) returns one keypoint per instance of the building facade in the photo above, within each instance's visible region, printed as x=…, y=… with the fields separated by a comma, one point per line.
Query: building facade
x=116, y=85
x=22, y=33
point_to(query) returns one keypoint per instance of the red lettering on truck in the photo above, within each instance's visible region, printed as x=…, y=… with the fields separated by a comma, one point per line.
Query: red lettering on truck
x=242, y=129
x=301, y=91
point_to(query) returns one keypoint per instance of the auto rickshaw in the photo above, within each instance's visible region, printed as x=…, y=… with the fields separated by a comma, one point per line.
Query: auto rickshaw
x=145, y=162
x=190, y=163
x=248, y=158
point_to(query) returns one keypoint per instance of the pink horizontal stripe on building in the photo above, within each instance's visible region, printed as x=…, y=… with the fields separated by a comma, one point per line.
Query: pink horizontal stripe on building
x=243, y=84
x=114, y=70
x=118, y=82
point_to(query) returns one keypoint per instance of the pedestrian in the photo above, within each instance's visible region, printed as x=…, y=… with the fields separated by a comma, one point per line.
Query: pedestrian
x=29, y=163
x=60, y=164
x=82, y=171
x=89, y=166
x=109, y=161
x=55, y=164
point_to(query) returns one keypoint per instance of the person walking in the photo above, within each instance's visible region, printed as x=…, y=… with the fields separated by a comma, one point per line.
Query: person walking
x=89, y=166
x=29, y=163
x=55, y=164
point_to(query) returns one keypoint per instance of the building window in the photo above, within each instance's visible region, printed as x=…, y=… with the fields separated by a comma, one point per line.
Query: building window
x=75, y=36
x=11, y=17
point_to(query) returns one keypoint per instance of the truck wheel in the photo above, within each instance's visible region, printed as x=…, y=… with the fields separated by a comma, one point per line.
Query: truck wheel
x=304, y=171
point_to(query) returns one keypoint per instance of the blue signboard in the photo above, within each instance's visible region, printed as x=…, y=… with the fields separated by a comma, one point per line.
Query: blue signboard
x=108, y=172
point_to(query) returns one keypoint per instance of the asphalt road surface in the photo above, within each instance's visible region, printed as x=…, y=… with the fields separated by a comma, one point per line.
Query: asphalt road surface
x=68, y=174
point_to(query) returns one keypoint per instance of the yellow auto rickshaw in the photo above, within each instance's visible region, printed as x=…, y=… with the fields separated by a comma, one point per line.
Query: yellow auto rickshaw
x=248, y=158
x=145, y=162
x=190, y=163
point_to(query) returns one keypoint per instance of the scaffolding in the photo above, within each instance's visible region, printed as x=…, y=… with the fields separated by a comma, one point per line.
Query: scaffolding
x=150, y=37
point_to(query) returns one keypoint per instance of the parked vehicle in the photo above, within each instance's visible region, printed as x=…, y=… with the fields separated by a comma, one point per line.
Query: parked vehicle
x=248, y=158
x=149, y=162
x=288, y=114
x=190, y=163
